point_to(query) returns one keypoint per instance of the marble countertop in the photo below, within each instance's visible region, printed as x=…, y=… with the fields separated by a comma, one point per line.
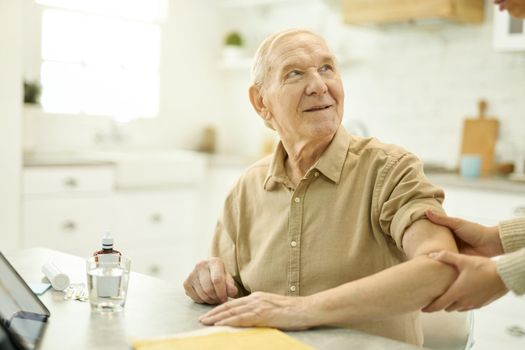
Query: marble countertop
x=153, y=308
x=445, y=179
x=110, y=158
x=64, y=162
x=500, y=184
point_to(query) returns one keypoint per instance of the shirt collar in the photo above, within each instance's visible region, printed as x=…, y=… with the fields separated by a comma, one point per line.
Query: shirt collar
x=330, y=164
x=276, y=172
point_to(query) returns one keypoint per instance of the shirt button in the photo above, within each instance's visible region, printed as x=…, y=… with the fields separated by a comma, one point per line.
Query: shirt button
x=293, y=243
x=316, y=174
x=297, y=199
x=292, y=288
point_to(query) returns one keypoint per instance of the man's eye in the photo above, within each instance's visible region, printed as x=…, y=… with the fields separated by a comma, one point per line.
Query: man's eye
x=293, y=74
x=326, y=68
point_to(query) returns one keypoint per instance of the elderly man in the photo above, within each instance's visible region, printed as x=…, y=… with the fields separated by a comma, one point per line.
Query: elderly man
x=327, y=209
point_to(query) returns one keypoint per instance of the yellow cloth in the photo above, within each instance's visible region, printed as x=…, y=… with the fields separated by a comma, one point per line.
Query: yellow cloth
x=253, y=339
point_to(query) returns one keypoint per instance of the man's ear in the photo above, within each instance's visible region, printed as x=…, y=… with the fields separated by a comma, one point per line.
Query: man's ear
x=257, y=101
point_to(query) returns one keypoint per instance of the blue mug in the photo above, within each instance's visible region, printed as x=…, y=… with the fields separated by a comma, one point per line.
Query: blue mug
x=470, y=166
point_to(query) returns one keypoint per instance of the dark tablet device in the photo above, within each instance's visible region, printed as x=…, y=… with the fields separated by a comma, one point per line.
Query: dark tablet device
x=22, y=315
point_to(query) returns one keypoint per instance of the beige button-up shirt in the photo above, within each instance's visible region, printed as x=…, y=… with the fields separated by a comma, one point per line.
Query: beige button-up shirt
x=344, y=221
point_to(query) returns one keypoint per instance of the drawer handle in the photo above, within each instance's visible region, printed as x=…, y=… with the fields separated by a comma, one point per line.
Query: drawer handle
x=519, y=211
x=70, y=182
x=516, y=331
x=154, y=269
x=156, y=218
x=69, y=226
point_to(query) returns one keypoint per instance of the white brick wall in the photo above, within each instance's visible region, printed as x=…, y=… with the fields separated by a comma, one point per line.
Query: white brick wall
x=411, y=84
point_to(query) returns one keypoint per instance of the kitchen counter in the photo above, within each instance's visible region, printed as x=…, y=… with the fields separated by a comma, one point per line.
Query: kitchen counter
x=153, y=308
x=241, y=162
x=113, y=157
x=232, y=160
x=500, y=184
x=62, y=160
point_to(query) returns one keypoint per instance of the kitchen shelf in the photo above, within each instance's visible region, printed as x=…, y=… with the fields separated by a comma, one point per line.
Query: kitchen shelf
x=395, y=11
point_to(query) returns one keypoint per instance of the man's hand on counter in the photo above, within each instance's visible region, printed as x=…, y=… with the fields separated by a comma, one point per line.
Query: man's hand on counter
x=209, y=283
x=263, y=309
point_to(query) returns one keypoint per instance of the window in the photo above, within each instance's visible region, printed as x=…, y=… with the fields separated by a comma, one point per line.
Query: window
x=101, y=57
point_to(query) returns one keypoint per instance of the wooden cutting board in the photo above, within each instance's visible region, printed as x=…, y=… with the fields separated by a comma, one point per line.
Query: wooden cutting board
x=479, y=137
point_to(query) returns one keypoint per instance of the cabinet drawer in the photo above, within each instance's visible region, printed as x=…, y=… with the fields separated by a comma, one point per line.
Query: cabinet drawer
x=72, y=225
x=170, y=260
x=52, y=180
x=166, y=214
x=493, y=324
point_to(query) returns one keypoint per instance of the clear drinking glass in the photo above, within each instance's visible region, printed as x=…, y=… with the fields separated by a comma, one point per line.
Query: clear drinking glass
x=108, y=283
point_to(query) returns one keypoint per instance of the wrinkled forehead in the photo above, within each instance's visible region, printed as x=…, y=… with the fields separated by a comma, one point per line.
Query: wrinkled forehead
x=296, y=45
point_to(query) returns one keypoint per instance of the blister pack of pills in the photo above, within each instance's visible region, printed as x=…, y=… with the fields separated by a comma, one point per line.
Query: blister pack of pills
x=76, y=291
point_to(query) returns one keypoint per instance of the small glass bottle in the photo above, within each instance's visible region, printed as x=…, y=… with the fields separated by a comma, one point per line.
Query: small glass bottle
x=107, y=253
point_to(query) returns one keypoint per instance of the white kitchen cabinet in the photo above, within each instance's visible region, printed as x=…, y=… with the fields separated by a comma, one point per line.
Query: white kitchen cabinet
x=497, y=325
x=221, y=178
x=171, y=260
x=485, y=207
x=66, y=180
x=154, y=217
x=66, y=208
x=170, y=213
x=493, y=324
x=158, y=230
x=69, y=224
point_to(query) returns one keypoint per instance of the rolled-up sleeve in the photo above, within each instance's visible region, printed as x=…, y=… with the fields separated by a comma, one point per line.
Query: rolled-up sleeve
x=403, y=194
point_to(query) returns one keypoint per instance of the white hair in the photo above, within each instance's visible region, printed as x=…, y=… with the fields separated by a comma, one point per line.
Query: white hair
x=261, y=64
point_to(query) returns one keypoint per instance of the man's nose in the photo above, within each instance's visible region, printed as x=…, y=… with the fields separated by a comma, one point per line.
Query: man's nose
x=315, y=85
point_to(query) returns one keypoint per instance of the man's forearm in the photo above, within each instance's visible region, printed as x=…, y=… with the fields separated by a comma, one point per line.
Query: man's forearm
x=400, y=289
x=403, y=288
